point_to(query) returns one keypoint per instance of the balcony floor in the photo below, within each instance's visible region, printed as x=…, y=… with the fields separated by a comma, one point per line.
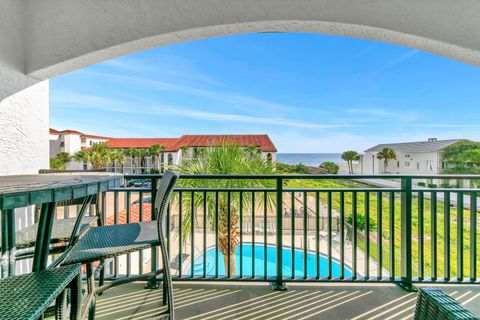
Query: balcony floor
x=258, y=301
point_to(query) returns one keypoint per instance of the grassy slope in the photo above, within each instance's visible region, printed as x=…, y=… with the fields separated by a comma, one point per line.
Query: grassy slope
x=427, y=254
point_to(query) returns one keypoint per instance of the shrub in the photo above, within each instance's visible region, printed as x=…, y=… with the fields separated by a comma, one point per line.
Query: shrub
x=432, y=185
x=421, y=184
x=361, y=222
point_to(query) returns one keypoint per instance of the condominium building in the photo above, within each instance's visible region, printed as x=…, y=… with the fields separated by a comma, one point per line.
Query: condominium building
x=176, y=150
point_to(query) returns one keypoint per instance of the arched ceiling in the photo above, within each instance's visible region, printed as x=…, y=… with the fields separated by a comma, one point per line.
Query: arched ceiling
x=42, y=39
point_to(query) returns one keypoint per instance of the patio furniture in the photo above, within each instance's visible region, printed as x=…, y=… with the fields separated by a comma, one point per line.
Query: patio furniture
x=63, y=230
x=434, y=304
x=105, y=242
x=28, y=296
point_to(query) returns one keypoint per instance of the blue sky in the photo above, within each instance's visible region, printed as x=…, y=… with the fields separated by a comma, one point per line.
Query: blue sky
x=309, y=92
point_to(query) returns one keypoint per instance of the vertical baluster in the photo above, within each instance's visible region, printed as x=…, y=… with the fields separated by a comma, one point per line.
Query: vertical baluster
x=317, y=235
x=460, y=236
x=253, y=234
x=473, y=236
x=391, y=215
x=354, y=244
x=128, y=221
x=204, y=234
x=192, y=234
x=329, y=234
x=115, y=221
x=140, y=219
x=180, y=233
x=228, y=232
x=421, y=249
x=216, y=234
x=265, y=234
x=379, y=235
x=305, y=256
x=293, y=234
x=434, y=233
x=342, y=235
x=367, y=235
x=446, y=228
x=241, y=233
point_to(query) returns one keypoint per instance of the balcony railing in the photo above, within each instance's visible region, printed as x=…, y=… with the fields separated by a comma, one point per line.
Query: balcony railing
x=309, y=228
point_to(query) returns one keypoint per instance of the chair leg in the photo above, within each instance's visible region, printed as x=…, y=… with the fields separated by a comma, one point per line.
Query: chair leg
x=76, y=297
x=61, y=306
x=164, y=288
x=91, y=298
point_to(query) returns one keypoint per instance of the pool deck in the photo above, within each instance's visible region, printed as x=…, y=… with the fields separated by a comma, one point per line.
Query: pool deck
x=207, y=300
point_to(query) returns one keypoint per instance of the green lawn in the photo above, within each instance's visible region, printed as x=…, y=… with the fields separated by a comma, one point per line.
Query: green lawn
x=385, y=215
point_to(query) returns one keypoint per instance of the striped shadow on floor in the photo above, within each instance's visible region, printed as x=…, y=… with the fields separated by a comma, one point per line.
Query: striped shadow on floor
x=205, y=301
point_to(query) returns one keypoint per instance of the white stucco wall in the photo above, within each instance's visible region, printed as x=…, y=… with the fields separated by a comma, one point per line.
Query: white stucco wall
x=401, y=168
x=24, y=131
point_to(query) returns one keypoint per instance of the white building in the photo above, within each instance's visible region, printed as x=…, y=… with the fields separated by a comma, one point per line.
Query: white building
x=176, y=149
x=423, y=157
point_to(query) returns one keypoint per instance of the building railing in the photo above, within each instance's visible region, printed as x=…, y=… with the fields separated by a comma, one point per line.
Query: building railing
x=339, y=230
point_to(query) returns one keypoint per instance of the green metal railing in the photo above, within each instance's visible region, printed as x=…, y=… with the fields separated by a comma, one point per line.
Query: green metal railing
x=353, y=232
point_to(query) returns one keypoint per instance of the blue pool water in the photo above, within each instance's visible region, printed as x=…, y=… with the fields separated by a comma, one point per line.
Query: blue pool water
x=259, y=258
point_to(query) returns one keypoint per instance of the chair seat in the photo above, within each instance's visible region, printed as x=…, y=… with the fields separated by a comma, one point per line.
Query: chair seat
x=61, y=231
x=28, y=296
x=110, y=241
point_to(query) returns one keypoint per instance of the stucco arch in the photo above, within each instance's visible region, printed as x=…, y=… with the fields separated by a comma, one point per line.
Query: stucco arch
x=42, y=39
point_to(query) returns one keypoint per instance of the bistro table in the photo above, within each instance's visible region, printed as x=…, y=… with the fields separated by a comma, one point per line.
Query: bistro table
x=20, y=191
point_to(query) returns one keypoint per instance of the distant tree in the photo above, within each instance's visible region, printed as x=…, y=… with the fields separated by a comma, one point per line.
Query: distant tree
x=118, y=156
x=157, y=150
x=60, y=161
x=386, y=154
x=99, y=155
x=350, y=156
x=462, y=157
x=330, y=166
x=184, y=150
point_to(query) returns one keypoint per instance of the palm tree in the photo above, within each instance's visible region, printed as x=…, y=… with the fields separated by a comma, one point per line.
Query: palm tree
x=225, y=159
x=118, y=156
x=386, y=154
x=157, y=150
x=350, y=156
x=184, y=151
x=60, y=161
x=142, y=154
x=98, y=155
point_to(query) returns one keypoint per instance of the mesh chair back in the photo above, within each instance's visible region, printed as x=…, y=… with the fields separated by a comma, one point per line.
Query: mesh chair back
x=164, y=192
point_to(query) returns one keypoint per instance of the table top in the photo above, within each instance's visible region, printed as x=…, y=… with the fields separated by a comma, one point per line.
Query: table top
x=22, y=190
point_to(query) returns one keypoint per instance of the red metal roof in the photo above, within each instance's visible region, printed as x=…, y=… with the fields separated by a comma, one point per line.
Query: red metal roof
x=71, y=131
x=261, y=141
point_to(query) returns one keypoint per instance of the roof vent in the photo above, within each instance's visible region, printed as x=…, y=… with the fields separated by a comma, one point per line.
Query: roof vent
x=432, y=139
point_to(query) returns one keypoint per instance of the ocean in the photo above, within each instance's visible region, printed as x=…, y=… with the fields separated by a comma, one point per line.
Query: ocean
x=308, y=159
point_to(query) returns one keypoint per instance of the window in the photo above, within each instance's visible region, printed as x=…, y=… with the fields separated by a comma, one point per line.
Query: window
x=407, y=164
x=407, y=156
x=398, y=164
x=418, y=165
x=62, y=144
x=91, y=142
x=429, y=165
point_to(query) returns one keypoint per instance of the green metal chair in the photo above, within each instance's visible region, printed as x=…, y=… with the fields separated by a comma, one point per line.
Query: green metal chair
x=105, y=242
x=434, y=304
x=28, y=296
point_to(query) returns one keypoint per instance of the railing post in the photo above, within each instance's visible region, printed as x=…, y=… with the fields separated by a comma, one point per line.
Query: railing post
x=278, y=284
x=406, y=234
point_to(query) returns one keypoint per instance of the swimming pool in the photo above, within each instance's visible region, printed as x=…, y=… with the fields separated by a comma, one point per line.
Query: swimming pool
x=259, y=260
